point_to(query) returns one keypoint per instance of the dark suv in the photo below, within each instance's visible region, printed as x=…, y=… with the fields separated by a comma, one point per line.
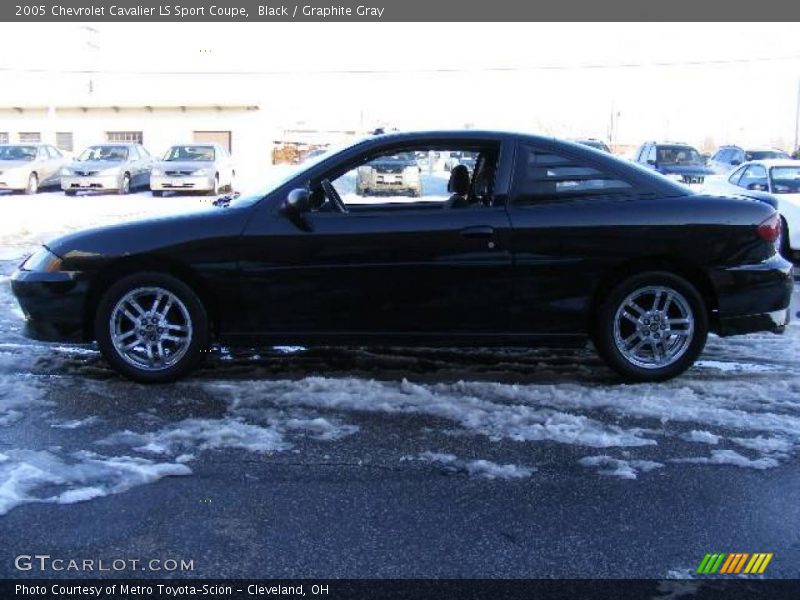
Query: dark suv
x=678, y=161
x=728, y=157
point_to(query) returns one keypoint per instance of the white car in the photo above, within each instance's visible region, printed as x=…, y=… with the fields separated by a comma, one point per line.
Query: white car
x=193, y=168
x=27, y=167
x=776, y=181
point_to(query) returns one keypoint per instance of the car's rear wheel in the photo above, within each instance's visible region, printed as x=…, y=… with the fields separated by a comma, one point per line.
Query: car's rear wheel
x=152, y=327
x=33, y=184
x=651, y=327
x=786, y=249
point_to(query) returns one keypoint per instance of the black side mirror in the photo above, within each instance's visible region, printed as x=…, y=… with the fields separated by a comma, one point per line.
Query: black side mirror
x=757, y=187
x=297, y=202
x=735, y=163
x=650, y=161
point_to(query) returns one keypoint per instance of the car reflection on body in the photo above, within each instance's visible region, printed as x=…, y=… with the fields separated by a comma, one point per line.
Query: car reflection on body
x=193, y=168
x=118, y=168
x=27, y=167
x=546, y=242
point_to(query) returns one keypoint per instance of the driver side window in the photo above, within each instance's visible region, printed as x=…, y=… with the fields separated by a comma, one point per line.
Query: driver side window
x=418, y=178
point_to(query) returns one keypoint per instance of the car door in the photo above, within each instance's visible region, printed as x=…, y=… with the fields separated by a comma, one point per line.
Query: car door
x=754, y=178
x=419, y=270
x=54, y=165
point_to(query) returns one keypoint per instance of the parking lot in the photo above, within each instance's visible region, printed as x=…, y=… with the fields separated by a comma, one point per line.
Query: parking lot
x=387, y=462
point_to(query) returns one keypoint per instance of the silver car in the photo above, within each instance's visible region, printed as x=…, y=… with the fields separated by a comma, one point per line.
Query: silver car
x=193, y=168
x=117, y=168
x=27, y=167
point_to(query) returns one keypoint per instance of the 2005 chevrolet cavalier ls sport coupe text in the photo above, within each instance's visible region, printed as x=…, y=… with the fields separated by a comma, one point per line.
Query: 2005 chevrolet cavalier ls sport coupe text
x=542, y=242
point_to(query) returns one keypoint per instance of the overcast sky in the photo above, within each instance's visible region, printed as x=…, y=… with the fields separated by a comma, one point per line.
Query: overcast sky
x=562, y=79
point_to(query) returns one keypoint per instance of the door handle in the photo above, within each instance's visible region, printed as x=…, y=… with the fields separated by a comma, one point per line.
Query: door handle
x=479, y=231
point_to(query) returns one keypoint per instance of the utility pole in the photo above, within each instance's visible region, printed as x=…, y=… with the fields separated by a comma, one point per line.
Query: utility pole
x=797, y=120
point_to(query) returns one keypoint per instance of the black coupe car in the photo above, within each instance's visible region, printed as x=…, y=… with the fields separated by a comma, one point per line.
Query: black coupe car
x=543, y=242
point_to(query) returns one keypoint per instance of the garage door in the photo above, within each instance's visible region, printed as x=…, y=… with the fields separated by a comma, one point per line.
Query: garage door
x=222, y=138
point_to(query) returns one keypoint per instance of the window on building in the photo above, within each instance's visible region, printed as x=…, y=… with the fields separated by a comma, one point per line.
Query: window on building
x=30, y=137
x=3, y=137
x=124, y=136
x=64, y=140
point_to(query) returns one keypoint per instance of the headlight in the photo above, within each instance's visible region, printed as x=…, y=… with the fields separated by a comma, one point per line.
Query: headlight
x=201, y=172
x=157, y=171
x=66, y=172
x=42, y=261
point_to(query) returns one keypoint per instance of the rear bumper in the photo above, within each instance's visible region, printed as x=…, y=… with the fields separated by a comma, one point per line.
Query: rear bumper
x=53, y=304
x=754, y=298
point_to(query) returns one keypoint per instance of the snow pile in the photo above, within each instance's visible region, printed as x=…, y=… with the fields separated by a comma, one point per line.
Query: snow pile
x=497, y=420
x=478, y=468
x=730, y=457
x=617, y=467
x=701, y=437
x=38, y=476
x=17, y=394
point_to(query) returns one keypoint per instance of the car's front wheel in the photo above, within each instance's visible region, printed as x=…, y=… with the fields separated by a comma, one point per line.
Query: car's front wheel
x=152, y=327
x=651, y=327
x=33, y=184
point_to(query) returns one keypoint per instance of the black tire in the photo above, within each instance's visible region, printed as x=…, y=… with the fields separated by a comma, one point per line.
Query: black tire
x=157, y=193
x=199, y=320
x=33, y=184
x=786, y=249
x=70, y=193
x=125, y=185
x=604, y=328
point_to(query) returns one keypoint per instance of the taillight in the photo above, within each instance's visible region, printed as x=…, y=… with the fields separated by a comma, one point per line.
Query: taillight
x=770, y=228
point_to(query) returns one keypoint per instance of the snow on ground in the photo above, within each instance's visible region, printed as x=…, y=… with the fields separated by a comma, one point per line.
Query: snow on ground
x=738, y=408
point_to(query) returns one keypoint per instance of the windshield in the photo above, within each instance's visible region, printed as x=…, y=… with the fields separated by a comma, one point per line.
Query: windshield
x=678, y=155
x=765, y=154
x=786, y=180
x=190, y=153
x=104, y=153
x=17, y=152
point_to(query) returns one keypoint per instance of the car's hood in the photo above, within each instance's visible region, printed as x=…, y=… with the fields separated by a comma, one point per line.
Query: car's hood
x=5, y=165
x=95, y=165
x=693, y=170
x=87, y=248
x=389, y=164
x=186, y=165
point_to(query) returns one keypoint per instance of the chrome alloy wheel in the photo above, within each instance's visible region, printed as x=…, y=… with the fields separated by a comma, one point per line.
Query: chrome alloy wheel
x=653, y=327
x=150, y=328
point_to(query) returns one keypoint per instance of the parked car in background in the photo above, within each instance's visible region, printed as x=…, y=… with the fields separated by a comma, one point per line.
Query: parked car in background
x=27, y=167
x=117, y=168
x=546, y=243
x=677, y=161
x=193, y=168
x=776, y=182
x=727, y=158
x=395, y=174
x=594, y=143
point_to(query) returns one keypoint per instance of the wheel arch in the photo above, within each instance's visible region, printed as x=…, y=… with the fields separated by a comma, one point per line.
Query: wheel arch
x=129, y=265
x=675, y=265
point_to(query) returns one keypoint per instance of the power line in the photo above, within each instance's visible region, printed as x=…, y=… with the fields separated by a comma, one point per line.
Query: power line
x=431, y=71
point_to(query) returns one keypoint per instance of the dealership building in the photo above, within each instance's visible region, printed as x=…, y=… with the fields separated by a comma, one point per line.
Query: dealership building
x=240, y=126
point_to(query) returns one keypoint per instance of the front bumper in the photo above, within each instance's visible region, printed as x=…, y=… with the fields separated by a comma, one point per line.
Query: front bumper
x=13, y=181
x=754, y=297
x=53, y=304
x=90, y=183
x=167, y=183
